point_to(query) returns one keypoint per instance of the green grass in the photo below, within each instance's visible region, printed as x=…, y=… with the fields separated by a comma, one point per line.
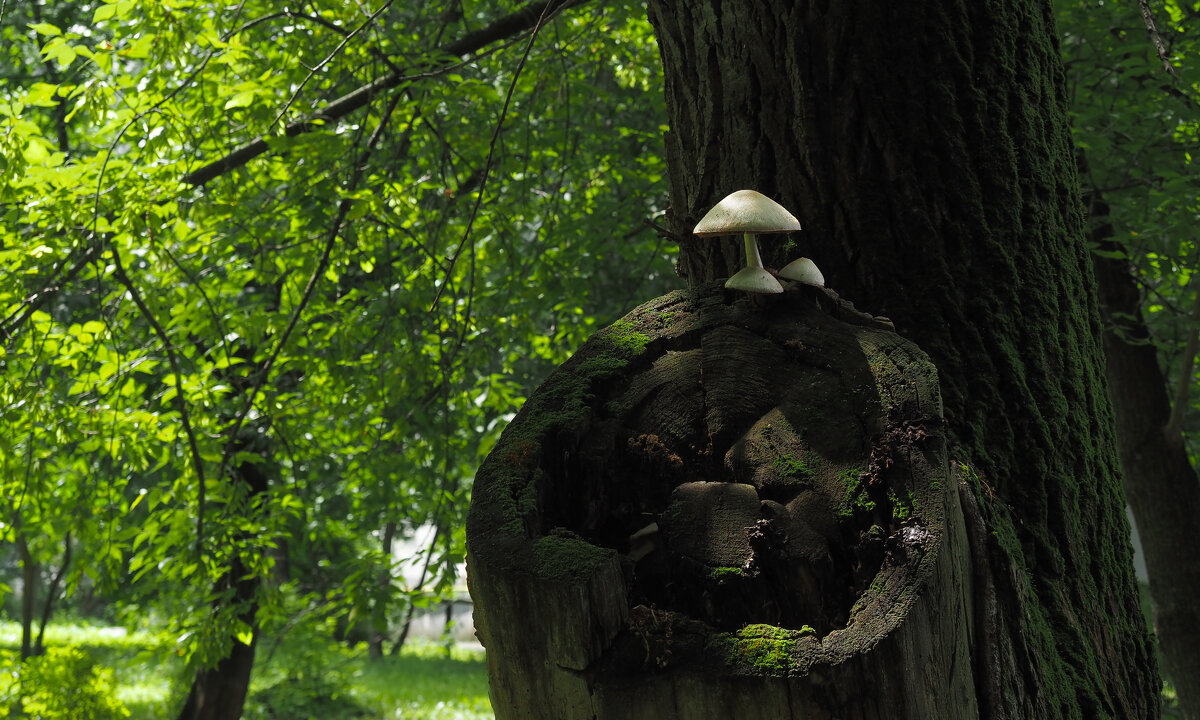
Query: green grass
x=304, y=676
x=423, y=683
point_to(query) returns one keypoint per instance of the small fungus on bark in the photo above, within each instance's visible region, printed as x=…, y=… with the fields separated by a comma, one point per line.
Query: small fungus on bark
x=749, y=213
x=803, y=270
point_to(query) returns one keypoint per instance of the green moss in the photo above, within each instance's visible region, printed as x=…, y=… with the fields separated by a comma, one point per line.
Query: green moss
x=856, y=496
x=567, y=558
x=760, y=649
x=622, y=336
x=722, y=575
x=904, y=505
x=792, y=466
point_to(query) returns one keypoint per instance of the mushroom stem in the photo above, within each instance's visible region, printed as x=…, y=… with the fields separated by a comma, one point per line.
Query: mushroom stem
x=753, y=259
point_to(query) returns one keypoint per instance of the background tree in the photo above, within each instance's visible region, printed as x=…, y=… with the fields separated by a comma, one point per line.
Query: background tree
x=219, y=220
x=1135, y=140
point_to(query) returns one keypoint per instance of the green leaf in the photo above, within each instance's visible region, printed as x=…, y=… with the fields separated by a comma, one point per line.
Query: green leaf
x=242, y=99
x=104, y=12
x=45, y=29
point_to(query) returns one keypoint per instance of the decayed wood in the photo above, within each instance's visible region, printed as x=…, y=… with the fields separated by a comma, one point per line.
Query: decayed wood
x=718, y=508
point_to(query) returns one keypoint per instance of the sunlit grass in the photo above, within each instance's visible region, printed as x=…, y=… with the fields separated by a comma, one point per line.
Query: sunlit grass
x=423, y=683
x=303, y=676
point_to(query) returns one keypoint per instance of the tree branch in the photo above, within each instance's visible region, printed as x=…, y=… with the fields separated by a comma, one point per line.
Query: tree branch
x=335, y=232
x=180, y=397
x=524, y=19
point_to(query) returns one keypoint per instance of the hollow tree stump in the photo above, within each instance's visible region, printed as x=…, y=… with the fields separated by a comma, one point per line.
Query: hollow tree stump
x=717, y=509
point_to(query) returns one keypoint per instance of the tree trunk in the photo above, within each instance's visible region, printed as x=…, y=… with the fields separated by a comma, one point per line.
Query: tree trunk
x=926, y=150
x=219, y=692
x=30, y=577
x=1159, y=479
x=377, y=625
x=52, y=589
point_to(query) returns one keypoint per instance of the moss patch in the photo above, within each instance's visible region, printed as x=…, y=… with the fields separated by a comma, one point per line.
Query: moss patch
x=792, y=466
x=567, y=558
x=856, y=496
x=759, y=649
x=723, y=575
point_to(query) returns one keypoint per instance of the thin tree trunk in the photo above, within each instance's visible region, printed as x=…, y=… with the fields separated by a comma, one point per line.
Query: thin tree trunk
x=52, y=595
x=377, y=628
x=1160, y=482
x=29, y=582
x=408, y=613
x=219, y=692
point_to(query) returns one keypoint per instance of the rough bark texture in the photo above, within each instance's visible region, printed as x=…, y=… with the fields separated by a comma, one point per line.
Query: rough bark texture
x=926, y=151
x=1160, y=481
x=718, y=508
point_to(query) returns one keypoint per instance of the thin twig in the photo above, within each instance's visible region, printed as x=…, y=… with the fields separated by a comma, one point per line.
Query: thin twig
x=335, y=232
x=505, y=27
x=487, y=165
x=1159, y=46
x=328, y=58
x=180, y=397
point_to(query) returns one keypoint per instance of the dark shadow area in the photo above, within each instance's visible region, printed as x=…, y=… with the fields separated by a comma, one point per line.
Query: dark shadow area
x=745, y=471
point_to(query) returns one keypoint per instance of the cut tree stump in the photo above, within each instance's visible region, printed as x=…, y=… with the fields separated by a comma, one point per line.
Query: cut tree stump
x=721, y=508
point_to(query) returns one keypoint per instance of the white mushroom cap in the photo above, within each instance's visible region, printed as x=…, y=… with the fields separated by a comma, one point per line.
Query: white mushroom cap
x=803, y=270
x=746, y=211
x=755, y=280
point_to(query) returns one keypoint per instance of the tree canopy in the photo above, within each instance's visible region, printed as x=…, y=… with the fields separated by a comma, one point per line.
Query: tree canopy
x=354, y=305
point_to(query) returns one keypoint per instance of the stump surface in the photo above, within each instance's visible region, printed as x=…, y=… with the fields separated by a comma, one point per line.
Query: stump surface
x=716, y=500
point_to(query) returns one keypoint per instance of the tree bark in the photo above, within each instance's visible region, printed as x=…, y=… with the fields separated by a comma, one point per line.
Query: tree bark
x=720, y=510
x=219, y=693
x=30, y=577
x=52, y=589
x=1160, y=481
x=927, y=153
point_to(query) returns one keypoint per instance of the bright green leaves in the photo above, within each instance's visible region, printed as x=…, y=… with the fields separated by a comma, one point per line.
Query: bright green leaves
x=112, y=9
x=367, y=354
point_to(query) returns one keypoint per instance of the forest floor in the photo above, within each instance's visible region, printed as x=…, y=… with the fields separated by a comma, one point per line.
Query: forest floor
x=301, y=677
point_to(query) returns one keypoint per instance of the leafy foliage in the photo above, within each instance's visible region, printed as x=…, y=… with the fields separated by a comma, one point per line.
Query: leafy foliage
x=63, y=684
x=1139, y=124
x=274, y=364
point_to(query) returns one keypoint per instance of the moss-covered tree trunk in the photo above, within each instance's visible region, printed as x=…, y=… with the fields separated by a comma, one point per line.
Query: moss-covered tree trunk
x=926, y=151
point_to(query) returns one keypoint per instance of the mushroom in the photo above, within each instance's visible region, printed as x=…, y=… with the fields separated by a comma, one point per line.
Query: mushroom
x=803, y=270
x=750, y=213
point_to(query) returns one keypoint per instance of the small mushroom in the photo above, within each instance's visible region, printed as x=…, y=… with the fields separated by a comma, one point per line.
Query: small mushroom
x=803, y=270
x=750, y=213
